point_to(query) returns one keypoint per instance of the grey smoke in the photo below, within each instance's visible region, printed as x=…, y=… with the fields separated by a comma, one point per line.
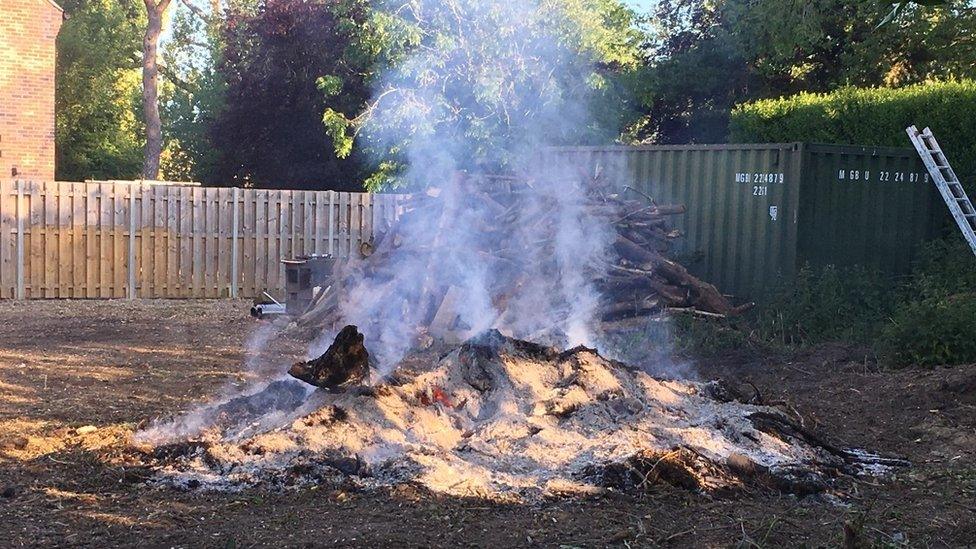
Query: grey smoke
x=488, y=90
x=487, y=68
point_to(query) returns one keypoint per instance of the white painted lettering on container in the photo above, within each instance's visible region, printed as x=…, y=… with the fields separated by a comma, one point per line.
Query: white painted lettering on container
x=882, y=176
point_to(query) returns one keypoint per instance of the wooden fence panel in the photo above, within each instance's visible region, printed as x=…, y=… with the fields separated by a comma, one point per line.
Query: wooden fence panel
x=133, y=239
x=92, y=234
x=171, y=226
x=8, y=224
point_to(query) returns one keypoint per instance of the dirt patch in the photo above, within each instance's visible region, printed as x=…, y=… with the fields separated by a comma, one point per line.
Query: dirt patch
x=114, y=365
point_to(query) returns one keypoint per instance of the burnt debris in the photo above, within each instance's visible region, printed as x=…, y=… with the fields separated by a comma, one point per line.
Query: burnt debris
x=345, y=363
x=634, y=278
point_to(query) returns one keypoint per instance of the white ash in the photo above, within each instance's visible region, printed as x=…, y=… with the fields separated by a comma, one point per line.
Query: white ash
x=493, y=417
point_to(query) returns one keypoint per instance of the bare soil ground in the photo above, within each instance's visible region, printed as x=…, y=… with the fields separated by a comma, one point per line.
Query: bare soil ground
x=69, y=364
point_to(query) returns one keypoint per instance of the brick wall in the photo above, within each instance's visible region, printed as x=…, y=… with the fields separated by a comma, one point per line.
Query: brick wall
x=28, y=29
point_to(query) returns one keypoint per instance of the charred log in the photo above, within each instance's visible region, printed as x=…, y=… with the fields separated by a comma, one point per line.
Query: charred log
x=346, y=362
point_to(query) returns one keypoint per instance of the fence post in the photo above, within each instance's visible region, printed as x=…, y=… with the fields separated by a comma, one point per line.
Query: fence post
x=235, y=228
x=21, y=289
x=331, y=223
x=318, y=223
x=132, y=240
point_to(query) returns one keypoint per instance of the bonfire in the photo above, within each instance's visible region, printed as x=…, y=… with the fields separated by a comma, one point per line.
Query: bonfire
x=501, y=418
x=454, y=361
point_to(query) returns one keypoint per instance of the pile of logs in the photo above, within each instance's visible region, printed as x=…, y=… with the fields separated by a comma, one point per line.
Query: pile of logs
x=634, y=278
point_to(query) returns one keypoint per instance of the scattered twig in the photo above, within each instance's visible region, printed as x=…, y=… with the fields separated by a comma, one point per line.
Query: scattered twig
x=651, y=200
x=696, y=312
x=61, y=462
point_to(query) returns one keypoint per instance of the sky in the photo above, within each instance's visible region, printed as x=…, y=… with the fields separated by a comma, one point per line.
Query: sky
x=640, y=5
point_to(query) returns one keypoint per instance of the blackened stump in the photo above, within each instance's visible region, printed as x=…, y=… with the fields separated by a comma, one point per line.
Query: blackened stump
x=346, y=362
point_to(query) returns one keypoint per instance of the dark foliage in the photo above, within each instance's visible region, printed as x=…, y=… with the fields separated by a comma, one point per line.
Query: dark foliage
x=933, y=324
x=270, y=133
x=706, y=57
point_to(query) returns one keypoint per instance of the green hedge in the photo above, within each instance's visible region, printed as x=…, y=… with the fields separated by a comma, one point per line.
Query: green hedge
x=868, y=116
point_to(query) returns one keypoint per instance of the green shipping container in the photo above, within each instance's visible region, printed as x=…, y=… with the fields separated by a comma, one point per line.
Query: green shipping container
x=757, y=213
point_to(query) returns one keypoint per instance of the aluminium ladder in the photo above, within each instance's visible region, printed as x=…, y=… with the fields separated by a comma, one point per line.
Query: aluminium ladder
x=946, y=181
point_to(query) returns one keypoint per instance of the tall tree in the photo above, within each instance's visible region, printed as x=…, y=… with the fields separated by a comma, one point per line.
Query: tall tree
x=155, y=13
x=98, y=123
x=191, y=90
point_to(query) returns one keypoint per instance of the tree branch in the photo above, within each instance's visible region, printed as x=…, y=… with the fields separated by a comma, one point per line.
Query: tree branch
x=196, y=10
x=176, y=80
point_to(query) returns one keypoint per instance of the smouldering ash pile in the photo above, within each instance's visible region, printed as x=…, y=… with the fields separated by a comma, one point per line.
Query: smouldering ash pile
x=502, y=417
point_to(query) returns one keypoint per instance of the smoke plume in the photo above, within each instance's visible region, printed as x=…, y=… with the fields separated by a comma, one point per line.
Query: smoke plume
x=486, y=87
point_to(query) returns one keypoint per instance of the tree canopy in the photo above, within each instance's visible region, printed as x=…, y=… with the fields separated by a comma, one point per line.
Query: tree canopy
x=318, y=93
x=98, y=126
x=269, y=131
x=706, y=56
x=480, y=81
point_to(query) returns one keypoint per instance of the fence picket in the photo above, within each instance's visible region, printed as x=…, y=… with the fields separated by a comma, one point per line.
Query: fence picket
x=120, y=245
x=172, y=234
x=332, y=224
x=249, y=244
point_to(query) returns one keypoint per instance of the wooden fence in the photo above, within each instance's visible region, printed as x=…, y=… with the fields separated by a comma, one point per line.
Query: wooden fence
x=135, y=239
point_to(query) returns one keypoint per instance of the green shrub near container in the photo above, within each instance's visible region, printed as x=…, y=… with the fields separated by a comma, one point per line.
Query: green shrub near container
x=932, y=332
x=935, y=321
x=926, y=319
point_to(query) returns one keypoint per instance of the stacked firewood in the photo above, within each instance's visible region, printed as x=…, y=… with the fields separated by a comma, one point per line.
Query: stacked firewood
x=515, y=240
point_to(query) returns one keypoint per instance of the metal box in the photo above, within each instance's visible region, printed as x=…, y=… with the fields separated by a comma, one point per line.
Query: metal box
x=302, y=276
x=757, y=213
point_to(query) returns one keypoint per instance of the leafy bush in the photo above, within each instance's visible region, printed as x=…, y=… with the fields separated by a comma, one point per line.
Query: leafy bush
x=928, y=319
x=945, y=267
x=830, y=304
x=868, y=116
x=705, y=337
x=935, y=322
x=932, y=331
